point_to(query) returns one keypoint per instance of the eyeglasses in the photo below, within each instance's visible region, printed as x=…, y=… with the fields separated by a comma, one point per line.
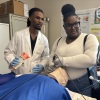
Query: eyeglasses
x=75, y=25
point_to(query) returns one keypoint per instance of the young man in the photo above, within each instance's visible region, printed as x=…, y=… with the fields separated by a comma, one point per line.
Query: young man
x=30, y=41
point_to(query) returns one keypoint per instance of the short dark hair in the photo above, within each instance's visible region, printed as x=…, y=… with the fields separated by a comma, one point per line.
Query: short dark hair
x=31, y=11
x=67, y=11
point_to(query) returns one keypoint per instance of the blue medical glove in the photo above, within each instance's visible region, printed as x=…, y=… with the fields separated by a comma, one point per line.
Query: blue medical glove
x=15, y=62
x=37, y=68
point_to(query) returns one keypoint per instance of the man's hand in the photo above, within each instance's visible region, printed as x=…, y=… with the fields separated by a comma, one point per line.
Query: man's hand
x=15, y=62
x=37, y=68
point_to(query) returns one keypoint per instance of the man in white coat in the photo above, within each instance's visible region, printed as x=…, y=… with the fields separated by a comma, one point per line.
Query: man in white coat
x=30, y=41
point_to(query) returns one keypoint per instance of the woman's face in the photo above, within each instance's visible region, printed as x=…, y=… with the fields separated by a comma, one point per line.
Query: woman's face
x=72, y=27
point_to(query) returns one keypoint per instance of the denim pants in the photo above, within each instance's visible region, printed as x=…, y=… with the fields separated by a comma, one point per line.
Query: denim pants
x=82, y=83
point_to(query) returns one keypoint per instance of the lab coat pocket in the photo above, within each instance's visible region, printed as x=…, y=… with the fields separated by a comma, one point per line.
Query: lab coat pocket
x=38, y=52
x=39, y=49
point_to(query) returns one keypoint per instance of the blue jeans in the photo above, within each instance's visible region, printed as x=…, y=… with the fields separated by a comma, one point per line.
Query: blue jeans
x=82, y=84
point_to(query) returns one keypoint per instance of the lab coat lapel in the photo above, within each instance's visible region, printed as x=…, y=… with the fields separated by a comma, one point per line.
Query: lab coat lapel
x=39, y=47
x=27, y=36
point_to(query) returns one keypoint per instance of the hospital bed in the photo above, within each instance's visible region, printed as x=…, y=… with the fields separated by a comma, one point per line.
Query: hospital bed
x=36, y=87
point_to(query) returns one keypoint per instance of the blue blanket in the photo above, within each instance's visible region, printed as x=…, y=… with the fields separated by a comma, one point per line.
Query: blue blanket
x=32, y=87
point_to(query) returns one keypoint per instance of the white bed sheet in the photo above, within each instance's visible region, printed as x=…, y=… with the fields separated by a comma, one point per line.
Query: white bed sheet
x=77, y=96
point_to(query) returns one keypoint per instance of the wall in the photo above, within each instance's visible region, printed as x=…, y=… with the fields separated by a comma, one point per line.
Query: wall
x=52, y=9
x=30, y=3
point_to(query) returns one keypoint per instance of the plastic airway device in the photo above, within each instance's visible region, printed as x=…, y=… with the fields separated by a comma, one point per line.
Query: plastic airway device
x=23, y=57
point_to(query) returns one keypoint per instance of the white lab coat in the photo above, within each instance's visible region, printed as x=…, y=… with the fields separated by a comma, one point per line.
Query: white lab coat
x=21, y=43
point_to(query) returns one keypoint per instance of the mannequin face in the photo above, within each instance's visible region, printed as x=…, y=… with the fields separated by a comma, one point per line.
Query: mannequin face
x=37, y=19
x=72, y=27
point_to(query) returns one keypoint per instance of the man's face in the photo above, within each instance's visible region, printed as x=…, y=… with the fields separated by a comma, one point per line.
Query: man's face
x=72, y=27
x=37, y=19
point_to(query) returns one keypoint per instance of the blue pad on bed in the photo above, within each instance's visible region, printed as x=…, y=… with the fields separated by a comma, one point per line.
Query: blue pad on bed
x=6, y=77
x=33, y=87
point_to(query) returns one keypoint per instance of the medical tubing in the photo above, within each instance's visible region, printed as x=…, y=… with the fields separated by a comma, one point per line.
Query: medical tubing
x=1, y=98
x=70, y=78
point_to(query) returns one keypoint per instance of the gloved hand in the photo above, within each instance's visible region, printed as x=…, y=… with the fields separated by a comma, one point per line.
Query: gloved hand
x=37, y=68
x=15, y=62
x=57, y=60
